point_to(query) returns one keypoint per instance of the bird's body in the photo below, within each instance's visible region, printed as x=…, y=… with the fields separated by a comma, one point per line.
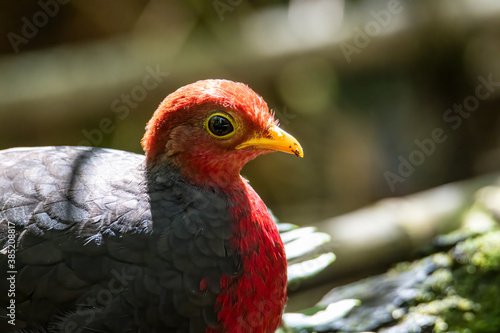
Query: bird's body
x=174, y=241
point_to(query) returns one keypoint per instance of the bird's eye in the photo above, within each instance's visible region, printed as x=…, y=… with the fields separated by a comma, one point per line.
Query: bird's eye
x=220, y=125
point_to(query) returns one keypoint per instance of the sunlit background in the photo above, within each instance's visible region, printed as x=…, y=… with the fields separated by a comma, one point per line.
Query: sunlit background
x=386, y=97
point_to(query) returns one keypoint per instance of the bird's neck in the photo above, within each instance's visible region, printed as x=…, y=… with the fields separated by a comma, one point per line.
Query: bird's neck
x=261, y=287
x=208, y=169
x=224, y=176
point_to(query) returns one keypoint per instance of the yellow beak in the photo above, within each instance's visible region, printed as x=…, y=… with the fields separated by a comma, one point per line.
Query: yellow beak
x=276, y=139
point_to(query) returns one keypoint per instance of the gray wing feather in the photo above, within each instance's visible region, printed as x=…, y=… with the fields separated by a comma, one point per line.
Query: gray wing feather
x=102, y=244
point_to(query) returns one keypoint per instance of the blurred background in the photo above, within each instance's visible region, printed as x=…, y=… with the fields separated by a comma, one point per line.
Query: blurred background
x=386, y=97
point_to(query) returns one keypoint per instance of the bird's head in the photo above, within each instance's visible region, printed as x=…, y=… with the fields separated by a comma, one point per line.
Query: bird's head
x=210, y=129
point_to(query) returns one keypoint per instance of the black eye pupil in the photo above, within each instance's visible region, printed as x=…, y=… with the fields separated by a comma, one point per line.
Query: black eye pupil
x=220, y=126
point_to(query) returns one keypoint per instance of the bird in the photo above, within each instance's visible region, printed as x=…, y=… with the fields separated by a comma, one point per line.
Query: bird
x=172, y=240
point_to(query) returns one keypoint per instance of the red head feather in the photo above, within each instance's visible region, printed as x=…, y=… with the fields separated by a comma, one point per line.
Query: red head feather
x=175, y=133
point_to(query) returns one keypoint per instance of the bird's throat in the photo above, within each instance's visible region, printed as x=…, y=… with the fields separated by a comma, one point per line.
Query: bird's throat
x=215, y=170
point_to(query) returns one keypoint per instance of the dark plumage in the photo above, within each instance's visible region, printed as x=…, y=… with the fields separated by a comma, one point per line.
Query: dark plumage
x=90, y=230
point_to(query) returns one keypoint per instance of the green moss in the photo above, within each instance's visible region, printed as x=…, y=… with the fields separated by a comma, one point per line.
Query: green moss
x=482, y=252
x=466, y=297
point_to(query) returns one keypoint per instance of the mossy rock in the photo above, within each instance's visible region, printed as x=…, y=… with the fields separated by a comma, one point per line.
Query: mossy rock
x=453, y=290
